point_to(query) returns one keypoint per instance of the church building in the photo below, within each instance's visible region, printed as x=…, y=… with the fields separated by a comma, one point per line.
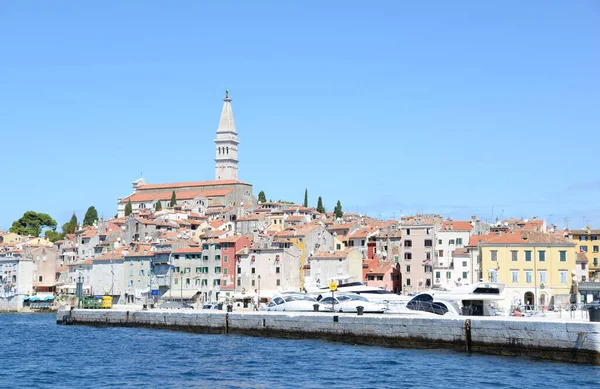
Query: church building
x=223, y=192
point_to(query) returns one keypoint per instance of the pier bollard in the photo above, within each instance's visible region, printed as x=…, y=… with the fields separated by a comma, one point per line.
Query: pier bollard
x=230, y=308
x=359, y=310
x=315, y=307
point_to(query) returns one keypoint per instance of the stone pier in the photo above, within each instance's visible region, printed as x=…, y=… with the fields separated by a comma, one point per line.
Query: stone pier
x=569, y=341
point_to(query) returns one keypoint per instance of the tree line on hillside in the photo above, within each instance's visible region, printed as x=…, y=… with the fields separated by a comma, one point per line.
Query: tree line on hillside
x=34, y=223
x=337, y=210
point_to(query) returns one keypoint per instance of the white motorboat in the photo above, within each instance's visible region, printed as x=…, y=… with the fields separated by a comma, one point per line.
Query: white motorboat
x=348, y=302
x=467, y=300
x=291, y=302
x=394, y=303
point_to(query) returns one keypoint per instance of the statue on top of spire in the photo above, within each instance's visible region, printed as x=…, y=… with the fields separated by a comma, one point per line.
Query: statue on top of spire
x=226, y=93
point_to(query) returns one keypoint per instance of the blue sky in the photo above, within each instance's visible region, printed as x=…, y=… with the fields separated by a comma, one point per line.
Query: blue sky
x=391, y=107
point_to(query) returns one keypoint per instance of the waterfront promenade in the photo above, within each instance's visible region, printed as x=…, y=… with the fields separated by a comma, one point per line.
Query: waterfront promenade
x=569, y=340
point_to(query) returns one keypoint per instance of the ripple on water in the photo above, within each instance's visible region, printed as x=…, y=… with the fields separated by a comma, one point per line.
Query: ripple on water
x=40, y=354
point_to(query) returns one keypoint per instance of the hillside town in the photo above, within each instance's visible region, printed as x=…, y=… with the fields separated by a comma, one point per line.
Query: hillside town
x=211, y=241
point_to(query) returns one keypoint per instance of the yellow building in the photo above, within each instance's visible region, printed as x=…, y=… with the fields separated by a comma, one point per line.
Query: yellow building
x=587, y=241
x=10, y=238
x=309, y=238
x=536, y=268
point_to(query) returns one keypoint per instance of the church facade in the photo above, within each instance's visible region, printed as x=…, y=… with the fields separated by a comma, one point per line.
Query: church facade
x=223, y=192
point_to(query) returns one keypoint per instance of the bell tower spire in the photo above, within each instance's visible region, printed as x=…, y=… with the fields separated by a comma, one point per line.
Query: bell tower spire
x=226, y=144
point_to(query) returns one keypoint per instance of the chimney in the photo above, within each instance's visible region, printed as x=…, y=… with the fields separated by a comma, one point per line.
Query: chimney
x=245, y=249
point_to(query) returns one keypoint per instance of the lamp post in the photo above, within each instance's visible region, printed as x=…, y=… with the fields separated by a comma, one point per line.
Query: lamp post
x=259, y=289
x=181, y=286
x=79, y=289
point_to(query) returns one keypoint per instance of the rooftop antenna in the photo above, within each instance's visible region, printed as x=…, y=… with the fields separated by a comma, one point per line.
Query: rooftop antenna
x=567, y=223
x=550, y=218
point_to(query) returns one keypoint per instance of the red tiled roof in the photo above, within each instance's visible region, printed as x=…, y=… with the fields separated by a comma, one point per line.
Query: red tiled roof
x=451, y=225
x=528, y=237
x=582, y=258
x=188, y=250
x=182, y=195
x=333, y=255
x=176, y=185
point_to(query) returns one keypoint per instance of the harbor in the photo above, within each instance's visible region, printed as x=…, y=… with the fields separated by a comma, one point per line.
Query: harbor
x=565, y=340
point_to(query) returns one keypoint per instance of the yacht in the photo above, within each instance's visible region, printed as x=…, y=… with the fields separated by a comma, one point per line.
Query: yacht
x=393, y=302
x=478, y=299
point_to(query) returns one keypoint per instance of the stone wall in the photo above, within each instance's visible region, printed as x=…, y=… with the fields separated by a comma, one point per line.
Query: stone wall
x=565, y=341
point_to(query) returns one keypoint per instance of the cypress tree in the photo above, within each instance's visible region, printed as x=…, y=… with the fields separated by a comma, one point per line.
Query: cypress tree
x=320, y=207
x=173, y=200
x=158, y=206
x=338, y=210
x=90, y=217
x=262, y=197
x=305, y=198
x=128, y=208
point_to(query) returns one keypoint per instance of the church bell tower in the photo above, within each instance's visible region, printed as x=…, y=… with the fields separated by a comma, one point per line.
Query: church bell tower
x=226, y=144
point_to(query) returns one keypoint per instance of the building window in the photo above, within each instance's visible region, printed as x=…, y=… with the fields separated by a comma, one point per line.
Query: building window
x=338, y=246
x=440, y=253
x=239, y=270
x=427, y=268
x=176, y=281
x=439, y=241
x=514, y=255
x=528, y=276
x=595, y=262
x=515, y=276
x=437, y=275
x=224, y=282
x=428, y=243
x=188, y=270
x=595, y=249
x=451, y=242
x=216, y=282
x=563, y=276
x=528, y=256
x=582, y=237
x=408, y=282
x=362, y=242
x=225, y=270
x=187, y=282
x=379, y=278
x=225, y=246
x=428, y=255
x=253, y=282
x=408, y=243
x=542, y=256
x=408, y=268
x=278, y=282
x=408, y=256
x=239, y=282
x=217, y=257
x=494, y=255
x=428, y=231
x=563, y=256
x=464, y=275
x=465, y=264
x=583, y=249
x=217, y=269
x=197, y=282
x=542, y=276
x=459, y=241
x=205, y=257
x=205, y=282
x=428, y=282
x=253, y=270
x=225, y=259
x=408, y=233
x=277, y=270
x=40, y=278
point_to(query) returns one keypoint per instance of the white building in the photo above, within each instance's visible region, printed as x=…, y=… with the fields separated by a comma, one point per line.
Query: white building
x=16, y=276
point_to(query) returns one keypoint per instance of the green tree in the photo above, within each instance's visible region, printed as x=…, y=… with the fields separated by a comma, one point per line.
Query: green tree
x=262, y=197
x=90, y=217
x=320, y=207
x=173, y=200
x=32, y=223
x=71, y=226
x=158, y=206
x=305, y=198
x=128, y=208
x=53, y=236
x=337, y=211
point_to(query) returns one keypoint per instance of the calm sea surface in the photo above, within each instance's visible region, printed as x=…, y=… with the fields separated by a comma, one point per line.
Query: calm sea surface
x=37, y=353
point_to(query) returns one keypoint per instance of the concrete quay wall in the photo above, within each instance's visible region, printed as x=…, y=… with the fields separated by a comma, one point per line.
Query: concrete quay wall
x=557, y=340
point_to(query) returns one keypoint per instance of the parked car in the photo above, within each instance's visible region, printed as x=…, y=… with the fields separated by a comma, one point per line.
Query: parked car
x=348, y=303
x=291, y=302
x=215, y=306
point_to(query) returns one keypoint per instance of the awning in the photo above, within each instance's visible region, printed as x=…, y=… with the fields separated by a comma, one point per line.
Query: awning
x=589, y=286
x=25, y=298
x=34, y=298
x=179, y=294
x=48, y=298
